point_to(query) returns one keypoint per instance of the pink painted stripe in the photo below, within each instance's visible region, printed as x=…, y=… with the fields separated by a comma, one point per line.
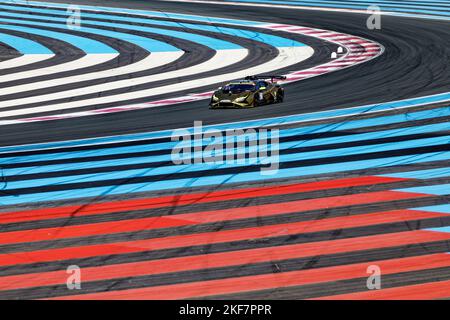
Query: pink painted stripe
x=338, y=37
x=275, y=26
x=298, y=29
x=309, y=72
x=316, y=32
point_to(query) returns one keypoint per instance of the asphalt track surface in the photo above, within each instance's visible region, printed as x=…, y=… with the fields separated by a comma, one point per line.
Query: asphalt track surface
x=369, y=189
x=415, y=64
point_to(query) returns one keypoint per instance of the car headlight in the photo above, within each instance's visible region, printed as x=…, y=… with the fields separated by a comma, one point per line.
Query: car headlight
x=215, y=98
x=241, y=99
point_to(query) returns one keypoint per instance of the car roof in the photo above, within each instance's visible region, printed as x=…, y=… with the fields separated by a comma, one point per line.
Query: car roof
x=252, y=82
x=243, y=82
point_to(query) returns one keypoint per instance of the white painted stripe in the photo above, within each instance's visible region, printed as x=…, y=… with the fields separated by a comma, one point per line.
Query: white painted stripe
x=154, y=60
x=221, y=59
x=286, y=57
x=205, y=95
x=83, y=62
x=320, y=33
x=24, y=60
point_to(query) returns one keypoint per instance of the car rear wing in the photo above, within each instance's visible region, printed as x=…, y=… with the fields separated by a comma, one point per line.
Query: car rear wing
x=264, y=77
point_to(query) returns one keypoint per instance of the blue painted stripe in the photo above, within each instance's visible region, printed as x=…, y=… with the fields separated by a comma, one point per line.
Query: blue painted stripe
x=87, y=45
x=444, y=229
x=23, y=45
x=174, y=169
x=359, y=4
x=427, y=114
x=220, y=179
x=440, y=112
x=95, y=46
x=419, y=16
x=438, y=11
x=438, y=190
x=405, y=3
x=169, y=145
x=272, y=40
x=402, y=13
x=422, y=174
x=443, y=208
x=253, y=35
x=140, y=12
x=213, y=43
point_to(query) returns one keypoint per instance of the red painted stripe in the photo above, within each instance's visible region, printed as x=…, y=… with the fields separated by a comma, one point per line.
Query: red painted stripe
x=294, y=78
x=335, y=64
x=84, y=230
x=116, y=109
x=276, y=26
x=153, y=244
x=362, y=54
x=317, y=32
x=273, y=280
x=357, y=40
x=330, y=68
x=298, y=29
x=185, y=199
x=309, y=72
x=223, y=259
x=356, y=59
x=426, y=291
x=373, y=48
x=200, y=217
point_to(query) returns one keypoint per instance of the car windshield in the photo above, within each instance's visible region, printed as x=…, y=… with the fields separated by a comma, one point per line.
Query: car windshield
x=238, y=88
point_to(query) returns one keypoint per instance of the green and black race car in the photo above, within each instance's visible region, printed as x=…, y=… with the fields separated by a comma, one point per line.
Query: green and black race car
x=251, y=92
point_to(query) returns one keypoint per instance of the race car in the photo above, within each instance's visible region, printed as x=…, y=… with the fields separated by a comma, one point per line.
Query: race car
x=250, y=92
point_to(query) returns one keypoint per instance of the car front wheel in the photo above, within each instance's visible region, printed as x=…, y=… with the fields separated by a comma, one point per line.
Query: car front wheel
x=256, y=102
